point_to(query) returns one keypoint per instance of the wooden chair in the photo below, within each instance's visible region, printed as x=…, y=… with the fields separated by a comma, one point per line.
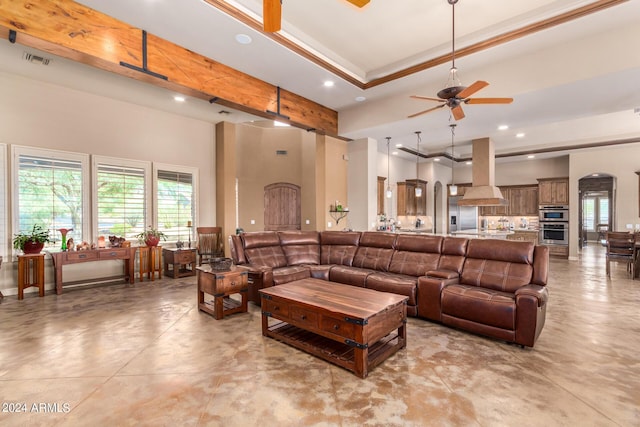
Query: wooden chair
x=621, y=247
x=210, y=243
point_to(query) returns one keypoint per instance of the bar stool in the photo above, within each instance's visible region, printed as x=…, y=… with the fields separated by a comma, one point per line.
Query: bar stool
x=30, y=273
x=150, y=262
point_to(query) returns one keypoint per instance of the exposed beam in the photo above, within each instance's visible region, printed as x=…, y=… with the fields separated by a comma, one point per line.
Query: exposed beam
x=74, y=31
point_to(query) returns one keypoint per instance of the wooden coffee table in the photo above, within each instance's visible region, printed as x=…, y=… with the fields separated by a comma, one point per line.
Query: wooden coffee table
x=352, y=327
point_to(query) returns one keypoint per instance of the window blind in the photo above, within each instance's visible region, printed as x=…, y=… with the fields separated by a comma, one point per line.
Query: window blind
x=175, y=207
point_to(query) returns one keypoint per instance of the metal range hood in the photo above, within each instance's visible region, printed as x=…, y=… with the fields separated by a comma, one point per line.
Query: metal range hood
x=483, y=192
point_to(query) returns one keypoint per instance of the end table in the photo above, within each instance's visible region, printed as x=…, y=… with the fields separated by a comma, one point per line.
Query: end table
x=30, y=273
x=222, y=284
x=181, y=261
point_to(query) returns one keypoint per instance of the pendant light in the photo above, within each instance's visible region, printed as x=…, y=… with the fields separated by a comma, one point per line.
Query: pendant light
x=389, y=192
x=418, y=188
x=453, y=188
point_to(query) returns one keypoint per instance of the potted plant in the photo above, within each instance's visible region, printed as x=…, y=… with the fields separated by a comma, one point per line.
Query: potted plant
x=33, y=241
x=151, y=237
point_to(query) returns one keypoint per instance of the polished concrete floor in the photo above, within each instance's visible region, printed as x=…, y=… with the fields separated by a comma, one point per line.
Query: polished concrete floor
x=144, y=355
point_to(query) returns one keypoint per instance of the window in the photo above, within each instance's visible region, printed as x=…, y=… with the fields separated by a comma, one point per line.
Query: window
x=595, y=210
x=122, y=204
x=50, y=190
x=176, y=188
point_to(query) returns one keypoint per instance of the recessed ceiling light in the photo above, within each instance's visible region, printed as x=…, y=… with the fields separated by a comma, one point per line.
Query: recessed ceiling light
x=596, y=174
x=360, y=98
x=280, y=124
x=468, y=163
x=243, y=38
x=178, y=98
x=520, y=135
x=437, y=159
x=531, y=156
x=398, y=145
x=328, y=83
x=503, y=127
x=395, y=153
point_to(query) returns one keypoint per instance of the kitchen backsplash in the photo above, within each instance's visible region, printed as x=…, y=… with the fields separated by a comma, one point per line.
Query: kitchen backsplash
x=509, y=222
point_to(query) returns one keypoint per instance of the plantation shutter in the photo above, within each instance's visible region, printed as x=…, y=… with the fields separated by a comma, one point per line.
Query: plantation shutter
x=49, y=193
x=175, y=204
x=120, y=200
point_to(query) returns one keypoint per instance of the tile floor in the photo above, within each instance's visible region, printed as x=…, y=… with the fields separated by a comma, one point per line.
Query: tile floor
x=129, y=356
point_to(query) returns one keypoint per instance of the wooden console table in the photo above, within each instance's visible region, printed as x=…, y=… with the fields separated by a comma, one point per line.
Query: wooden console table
x=74, y=257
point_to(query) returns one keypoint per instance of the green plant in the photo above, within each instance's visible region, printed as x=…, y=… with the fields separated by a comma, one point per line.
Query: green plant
x=37, y=234
x=151, y=232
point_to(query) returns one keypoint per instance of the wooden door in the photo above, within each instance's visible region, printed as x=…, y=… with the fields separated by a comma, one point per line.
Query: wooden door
x=281, y=207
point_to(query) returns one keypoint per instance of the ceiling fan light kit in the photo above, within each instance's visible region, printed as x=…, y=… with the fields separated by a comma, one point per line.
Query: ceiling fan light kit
x=455, y=94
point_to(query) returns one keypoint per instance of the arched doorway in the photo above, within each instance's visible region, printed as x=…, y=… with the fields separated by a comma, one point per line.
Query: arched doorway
x=596, y=207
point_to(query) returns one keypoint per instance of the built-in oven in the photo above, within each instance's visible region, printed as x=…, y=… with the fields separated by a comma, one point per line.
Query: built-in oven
x=554, y=233
x=554, y=213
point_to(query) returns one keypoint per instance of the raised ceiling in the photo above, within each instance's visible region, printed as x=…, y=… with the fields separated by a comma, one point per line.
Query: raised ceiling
x=573, y=83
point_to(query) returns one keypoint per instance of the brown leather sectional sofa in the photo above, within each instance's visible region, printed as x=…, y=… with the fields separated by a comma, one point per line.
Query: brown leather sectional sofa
x=496, y=288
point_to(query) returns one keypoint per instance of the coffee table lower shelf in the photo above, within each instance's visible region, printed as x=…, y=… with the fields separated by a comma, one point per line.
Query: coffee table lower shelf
x=338, y=353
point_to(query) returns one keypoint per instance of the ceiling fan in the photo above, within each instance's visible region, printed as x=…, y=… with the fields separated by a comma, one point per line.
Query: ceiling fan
x=454, y=94
x=272, y=13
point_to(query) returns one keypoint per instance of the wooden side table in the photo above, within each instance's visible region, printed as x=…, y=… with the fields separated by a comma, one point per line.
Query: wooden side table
x=150, y=262
x=179, y=262
x=222, y=284
x=30, y=273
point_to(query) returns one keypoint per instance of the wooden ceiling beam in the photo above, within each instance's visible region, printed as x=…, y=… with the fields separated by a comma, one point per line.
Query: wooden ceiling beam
x=74, y=31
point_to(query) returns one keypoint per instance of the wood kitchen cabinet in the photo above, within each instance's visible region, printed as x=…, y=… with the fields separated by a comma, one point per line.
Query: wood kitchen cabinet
x=408, y=203
x=553, y=191
x=523, y=201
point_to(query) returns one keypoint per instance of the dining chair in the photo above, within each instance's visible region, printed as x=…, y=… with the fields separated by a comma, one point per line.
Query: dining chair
x=621, y=248
x=210, y=243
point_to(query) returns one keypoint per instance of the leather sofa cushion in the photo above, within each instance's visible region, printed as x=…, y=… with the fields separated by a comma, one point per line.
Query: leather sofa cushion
x=376, y=239
x=289, y=274
x=260, y=239
x=349, y=275
x=373, y=258
x=501, y=250
x=453, y=254
x=299, y=238
x=394, y=283
x=498, y=275
x=269, y=256
x=338, y=247
x=413, y=263
x=480, y=305
x=302, y=254
x=419, y=243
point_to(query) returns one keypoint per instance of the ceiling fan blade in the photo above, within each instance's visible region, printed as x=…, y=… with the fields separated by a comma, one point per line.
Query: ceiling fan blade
x=473, y=89
x=488, y=101
x=427, y=98
x=457, y=112
x=271, y=15
x=359, y=3
x=425, y=111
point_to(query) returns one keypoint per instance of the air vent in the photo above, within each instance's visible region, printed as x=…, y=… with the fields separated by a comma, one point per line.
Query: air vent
x=224, y=112
x=281, y=152
x=35, y=58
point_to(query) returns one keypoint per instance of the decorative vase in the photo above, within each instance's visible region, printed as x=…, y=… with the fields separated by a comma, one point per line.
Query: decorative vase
x=63, y=232
x=31, y=247
x=152, y=241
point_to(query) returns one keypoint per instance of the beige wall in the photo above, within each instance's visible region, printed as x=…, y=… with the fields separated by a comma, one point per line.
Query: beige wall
x=39, y=114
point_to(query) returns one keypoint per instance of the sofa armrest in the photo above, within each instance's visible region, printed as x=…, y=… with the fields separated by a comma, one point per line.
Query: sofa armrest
x=429, y=290
x=443, y=274
x=539, y=292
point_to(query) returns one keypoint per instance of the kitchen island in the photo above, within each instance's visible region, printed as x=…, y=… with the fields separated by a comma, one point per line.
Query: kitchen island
x=482, y=234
